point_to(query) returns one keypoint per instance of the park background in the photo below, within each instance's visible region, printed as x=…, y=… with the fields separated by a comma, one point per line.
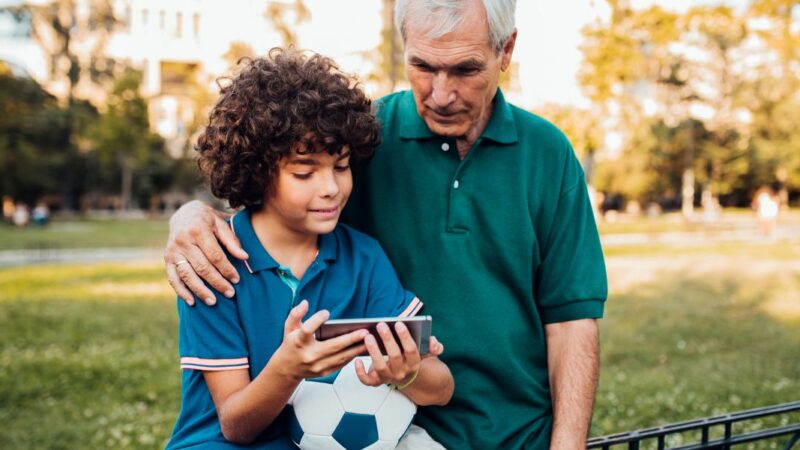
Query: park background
x=680, y=112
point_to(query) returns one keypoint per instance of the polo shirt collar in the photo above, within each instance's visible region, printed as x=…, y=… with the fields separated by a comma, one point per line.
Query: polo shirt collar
x=259, y=259
x=501, y=127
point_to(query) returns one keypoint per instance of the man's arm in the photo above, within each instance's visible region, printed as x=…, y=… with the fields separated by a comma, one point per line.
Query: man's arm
x=573, y=366
x=193, y=252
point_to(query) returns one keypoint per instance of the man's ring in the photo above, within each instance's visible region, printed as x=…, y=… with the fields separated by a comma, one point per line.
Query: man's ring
x=183, y=261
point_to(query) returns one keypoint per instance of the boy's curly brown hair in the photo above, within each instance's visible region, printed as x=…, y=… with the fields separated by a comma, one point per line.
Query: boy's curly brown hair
x=285, y=102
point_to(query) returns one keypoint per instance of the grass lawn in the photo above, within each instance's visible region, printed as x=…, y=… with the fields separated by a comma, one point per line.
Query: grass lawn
x=88, y=354
x=86, y=233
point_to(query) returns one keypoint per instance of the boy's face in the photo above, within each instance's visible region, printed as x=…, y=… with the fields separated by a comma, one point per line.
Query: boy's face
x=310, y=191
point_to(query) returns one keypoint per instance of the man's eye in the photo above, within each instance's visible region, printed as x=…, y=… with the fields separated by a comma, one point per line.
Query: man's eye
x=466, y=71
x=302, y=176
x=344, y=168
x=423, y=67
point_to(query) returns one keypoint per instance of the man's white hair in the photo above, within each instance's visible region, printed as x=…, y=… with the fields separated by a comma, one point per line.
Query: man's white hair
x=440, y=17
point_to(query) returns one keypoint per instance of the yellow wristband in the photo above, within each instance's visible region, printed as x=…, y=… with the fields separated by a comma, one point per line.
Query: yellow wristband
x=407, y=383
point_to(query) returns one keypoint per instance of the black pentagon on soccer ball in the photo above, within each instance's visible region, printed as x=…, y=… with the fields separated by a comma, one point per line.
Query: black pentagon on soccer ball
x=356, y=431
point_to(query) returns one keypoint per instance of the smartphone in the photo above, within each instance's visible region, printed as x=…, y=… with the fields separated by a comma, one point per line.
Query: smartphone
x=418, y=326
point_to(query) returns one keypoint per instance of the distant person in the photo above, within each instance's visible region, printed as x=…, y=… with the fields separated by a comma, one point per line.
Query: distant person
x=767, y=205
x=41, y=214
x=483, y=208
x=8, y=208
x=21, y=215
x=280, y=141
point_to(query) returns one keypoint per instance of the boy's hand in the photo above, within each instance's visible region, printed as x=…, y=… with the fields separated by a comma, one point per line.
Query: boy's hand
x=398, y=366
x=303, y=356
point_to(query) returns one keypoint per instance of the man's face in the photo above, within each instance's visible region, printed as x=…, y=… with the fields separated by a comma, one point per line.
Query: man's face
x=454, y=78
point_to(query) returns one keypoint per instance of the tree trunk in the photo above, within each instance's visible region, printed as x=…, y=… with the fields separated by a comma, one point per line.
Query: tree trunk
x=687, y=193
x=127, y=182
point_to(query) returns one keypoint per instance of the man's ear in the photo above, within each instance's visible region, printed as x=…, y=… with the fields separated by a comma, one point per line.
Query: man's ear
x=508, y=50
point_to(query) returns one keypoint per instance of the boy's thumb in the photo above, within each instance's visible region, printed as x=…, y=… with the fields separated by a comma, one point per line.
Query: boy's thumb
x=294, y=320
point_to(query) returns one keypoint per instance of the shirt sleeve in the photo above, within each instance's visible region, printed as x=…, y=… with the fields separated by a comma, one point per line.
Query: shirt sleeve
x=571, y=280
x=387, y=297
x=211, y=338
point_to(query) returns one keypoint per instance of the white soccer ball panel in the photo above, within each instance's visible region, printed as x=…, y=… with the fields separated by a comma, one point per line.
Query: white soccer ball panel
x=382, y=445
x=314, y=442
x=317, y=408
x=291, y=399
x=394, y=416
x=356, y=397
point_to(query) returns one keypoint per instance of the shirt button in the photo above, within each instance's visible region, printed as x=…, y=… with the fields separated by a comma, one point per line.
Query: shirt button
x=445, y=147
x=455, y=184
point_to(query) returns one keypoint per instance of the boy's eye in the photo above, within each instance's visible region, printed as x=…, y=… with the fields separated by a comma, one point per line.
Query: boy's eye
x=302, y=176
x=343, y=168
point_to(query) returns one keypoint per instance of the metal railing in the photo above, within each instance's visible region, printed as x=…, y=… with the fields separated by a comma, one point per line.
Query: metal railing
x=722, y=426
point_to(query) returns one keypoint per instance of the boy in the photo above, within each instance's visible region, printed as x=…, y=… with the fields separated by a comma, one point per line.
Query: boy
x=279, y=142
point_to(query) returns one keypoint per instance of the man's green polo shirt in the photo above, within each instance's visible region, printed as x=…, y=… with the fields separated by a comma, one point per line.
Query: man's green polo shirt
x=497, y=245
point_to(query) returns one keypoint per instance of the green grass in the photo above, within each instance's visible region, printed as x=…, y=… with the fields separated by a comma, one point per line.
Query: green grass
x=88, y=358
x=88, y=355
x=86, y=234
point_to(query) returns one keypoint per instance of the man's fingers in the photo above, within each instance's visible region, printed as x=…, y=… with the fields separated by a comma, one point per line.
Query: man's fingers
x=178, y=286
x=194, y=283
x=205, y=268
x=294, y=320
x=226, y=237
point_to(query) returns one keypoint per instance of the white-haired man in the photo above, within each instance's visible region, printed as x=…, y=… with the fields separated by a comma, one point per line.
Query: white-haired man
x=483, y=210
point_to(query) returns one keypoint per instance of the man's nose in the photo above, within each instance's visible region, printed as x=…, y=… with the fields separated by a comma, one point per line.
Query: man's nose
x=442, y=93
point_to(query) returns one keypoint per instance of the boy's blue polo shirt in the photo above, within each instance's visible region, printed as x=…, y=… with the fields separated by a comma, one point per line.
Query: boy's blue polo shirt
x=351, y=277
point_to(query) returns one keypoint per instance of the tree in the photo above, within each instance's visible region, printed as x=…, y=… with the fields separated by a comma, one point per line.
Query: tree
x=279, y=12
x=74, y=38
x=123, y=141
x=32, y=129
x=772, y=97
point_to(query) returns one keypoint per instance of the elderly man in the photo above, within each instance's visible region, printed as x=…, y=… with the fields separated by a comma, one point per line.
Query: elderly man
x=483, y=210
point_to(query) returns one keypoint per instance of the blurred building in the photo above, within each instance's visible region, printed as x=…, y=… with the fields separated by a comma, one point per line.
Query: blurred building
x=180, y=46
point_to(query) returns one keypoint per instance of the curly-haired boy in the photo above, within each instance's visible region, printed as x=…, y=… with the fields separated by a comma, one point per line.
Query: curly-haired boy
x=280, y=142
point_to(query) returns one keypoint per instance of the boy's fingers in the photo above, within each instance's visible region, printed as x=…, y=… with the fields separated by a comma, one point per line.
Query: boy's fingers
x=378, y=363
x=338, y=360
x=339, y=343
x=435, y=348
x=309, y=327
x=392, y=349
x=370, y=379
x=410, y=349
x=295, y=317
x=178, y=286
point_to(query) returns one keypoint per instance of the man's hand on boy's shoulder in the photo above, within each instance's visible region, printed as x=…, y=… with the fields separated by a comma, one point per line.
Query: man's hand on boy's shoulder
x=194, y=251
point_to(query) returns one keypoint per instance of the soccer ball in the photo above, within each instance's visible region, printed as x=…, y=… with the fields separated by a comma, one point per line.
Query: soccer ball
x=340, y=412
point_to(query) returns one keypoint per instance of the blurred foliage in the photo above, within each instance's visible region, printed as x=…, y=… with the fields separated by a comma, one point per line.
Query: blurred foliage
x=33, y=130
x=126, y=149
x=285, y=16
x=704, y=100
